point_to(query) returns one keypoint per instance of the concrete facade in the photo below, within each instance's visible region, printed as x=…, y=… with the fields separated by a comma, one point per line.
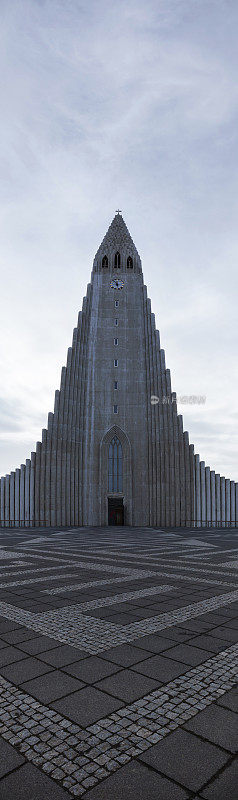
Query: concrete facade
x=116, y=392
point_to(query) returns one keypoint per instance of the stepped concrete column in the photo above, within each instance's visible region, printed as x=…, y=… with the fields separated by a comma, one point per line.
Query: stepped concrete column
x=32, y=490
x=37, y=484
x=197, y=491
x=203, y=493
x=218, y=499
x=2, y=488
x=228, y=501
x=208, y=496
x=233, y=505
x=213, y=498
x=223, y=503
x=22, y=495
x=17, y=498
x=12, y=499
x=27, y=492
x=236, y=496
x=7, y=500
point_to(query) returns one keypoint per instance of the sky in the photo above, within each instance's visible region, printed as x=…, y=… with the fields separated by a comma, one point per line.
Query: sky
x=129, y=105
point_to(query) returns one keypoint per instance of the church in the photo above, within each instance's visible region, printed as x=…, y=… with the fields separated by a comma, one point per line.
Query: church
x=114, y=451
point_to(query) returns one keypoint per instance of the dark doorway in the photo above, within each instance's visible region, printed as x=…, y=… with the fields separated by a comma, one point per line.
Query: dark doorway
x=115, y=511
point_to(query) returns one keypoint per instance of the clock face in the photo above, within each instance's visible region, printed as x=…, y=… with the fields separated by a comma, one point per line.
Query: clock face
x=116, y=283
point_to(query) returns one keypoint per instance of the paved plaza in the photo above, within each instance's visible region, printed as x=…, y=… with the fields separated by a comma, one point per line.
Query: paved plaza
x=118, y=664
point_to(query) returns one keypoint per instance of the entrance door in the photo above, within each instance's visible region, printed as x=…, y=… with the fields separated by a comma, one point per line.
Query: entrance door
x=115, y=511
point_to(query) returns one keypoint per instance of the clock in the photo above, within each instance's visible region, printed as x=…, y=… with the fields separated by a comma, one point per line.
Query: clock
x=116, y=283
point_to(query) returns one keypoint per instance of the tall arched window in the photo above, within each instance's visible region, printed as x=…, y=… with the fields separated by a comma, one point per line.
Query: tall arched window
x=129, y=263
x=117, y=260
x=105, y=261
x=115, y=465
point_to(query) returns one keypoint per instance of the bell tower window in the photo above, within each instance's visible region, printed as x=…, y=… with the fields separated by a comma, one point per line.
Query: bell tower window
x=129, y=263
x=115, y=465
x=117, y=260
x=105, y=261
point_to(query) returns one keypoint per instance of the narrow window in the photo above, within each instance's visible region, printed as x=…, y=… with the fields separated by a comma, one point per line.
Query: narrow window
x=129, y=263
x=115, y=362
x=105, y=261
x=116, y=303
x=115, y=384
x=115, y=341
x=117, y=260
x=115, y=465
x=115, y=409
x=116, y=321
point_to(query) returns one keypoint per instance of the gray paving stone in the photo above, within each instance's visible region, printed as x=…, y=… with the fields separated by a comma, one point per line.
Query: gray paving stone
x=9, y=759
x=39, y=645
x=224, y=787
x=8, y=655
x=160, y=668
x=24, y=670
x=136, y=782
x=125, y=655
x=218, y=725
x=183, y=757
x=229, y=634
x=154, y=643
x=127, y=685
x=188, y=654
x=52, y=686
x=214, y=645
x=87, y=706
x=28, y=783
x=62, y=655
x=92, y=669
x=230, y=700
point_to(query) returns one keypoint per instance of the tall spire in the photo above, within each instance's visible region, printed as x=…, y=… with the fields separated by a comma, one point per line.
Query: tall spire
x=117, y=239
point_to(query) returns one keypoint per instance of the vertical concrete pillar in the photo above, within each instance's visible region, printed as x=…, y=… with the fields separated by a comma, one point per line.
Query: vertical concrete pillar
x=171, y=449
x=59, y=517
x=149, y=408
x=37, y=484
x=176, y=461
x=32, y=490
x=68, y=435
x=187, y=480
x=203, y=493
x=233, y=505
x=48, y=470
x=197, y=491
x=218, y=500
x=228, y=502
x=53, y=460
x=166, y=437
x=27, y=492
x=208, y=496
x=22, y=495
x=213, y=499
x=17, y=498
x=223, y=503
x=42, y=477
x=12, y=499
x=182, y=471
x=7, y=501
x=192, y=483
x=236, y=496
x=160, y=442
x=2, y=488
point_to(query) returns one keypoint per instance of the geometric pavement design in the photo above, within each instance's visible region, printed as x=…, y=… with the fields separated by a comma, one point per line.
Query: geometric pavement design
x=107, y=691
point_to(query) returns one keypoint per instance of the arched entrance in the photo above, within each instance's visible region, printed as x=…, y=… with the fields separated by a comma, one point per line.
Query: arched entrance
x=115, y=478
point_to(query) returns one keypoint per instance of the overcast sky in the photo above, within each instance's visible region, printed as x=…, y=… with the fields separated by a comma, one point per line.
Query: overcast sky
x=129, y=104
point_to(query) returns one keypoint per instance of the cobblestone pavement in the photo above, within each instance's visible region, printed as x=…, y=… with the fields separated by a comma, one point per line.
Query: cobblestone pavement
x=118, y=664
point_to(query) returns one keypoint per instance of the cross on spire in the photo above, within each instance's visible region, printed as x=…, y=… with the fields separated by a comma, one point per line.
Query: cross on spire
x=118, y=211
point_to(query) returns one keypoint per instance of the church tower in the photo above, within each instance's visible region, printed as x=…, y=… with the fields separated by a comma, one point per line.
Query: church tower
x=114, y=451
